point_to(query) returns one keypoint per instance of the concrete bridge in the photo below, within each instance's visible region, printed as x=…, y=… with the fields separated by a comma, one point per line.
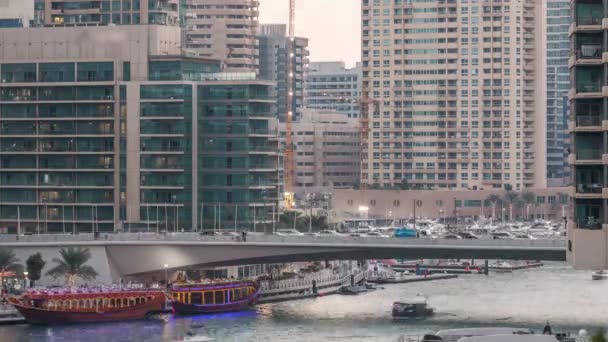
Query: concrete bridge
x=122, y=255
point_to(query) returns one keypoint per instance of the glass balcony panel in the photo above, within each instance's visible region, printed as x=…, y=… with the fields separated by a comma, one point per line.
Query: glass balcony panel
x=95, y=196
x=162, y=196
x=588, y=214
x=95, y=145
x=94, y=162
x=105, y=93
x=162, y=179
x=56, y=110
x=59, y=127
x=589, y=146
x=590, y=13
x=589, y=179
x=163, y=127
x=18, y=94
x=56, y=72
x=588, y=79
x=20, y=72
x=17, y=145
x=162, y=109
x=162, y=162
x=18, y=195
x=57, y=162
x=55, y=179
x=95, y=179
x=163, y=145
x=95, y=127
x=95, y=71
x=17, y=162
x=94, y=110
x=18, y=110
x=162, y=92
x=56, y=93
x=17, y=178
x=56, y=145
x=16, y=128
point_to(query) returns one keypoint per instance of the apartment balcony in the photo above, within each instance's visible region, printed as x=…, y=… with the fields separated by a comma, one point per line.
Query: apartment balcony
x=589, y=13
x=585, y=123
x=588, y=213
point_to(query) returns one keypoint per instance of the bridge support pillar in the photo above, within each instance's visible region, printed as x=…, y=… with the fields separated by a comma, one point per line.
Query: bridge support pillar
x=352, y=280
x=314, y=287
x=486, y=269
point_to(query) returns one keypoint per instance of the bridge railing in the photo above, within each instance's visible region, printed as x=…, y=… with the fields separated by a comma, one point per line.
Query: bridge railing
x=347, y=240
x=302, y=284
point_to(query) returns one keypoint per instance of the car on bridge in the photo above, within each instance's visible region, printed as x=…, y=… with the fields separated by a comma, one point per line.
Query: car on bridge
x=329, y=232
x=288, y=232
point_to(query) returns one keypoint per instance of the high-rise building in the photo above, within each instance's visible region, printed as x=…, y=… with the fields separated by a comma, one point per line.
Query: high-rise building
x=454, y=94
x=558, y=83
x=588, y=224
x=111, y=127
x=224, y=30
x=332, y=86
x=327, y=149
x=104, y=12
x=16, y=13
x=274, y=63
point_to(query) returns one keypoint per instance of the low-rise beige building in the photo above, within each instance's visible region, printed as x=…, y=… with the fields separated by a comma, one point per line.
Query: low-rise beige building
x=326, y=151
x=548, y=203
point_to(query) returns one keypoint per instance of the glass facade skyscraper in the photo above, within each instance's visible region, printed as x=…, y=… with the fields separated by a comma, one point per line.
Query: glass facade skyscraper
x=558, y=83
x=103, y=140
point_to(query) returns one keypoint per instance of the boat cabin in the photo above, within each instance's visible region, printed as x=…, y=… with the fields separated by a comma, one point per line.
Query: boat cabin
x=210, y=294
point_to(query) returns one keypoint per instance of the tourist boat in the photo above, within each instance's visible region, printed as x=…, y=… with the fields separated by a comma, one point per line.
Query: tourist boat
x=213, y=296
x=87, y=305
x=414, y=308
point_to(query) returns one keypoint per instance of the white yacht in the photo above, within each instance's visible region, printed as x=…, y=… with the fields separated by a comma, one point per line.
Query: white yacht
x=455, y=335
x=510, y=338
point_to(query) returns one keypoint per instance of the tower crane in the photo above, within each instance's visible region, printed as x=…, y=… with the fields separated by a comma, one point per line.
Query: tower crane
x=289, y=172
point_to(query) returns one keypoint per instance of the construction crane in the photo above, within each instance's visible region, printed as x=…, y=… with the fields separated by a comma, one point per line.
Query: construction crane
x=289, y=172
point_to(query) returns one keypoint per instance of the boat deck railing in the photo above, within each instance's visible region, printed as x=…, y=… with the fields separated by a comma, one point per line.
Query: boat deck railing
x=322, y=280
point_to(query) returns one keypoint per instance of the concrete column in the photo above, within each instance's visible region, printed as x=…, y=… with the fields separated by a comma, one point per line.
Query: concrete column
x=133, y=153
x=195, y=202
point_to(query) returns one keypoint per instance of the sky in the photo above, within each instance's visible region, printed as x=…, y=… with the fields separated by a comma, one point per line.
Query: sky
x=332, y=26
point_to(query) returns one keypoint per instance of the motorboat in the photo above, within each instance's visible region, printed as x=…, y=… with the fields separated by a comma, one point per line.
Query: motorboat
x=454, y=335
x=599, y=275
x=353, y=290
x=510, y=338
x=414, y=308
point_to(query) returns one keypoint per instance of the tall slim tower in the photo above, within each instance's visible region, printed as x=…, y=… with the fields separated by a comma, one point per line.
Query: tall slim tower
x=224, y=30
x=461, y=93
x=558, y=83
x=587, y=228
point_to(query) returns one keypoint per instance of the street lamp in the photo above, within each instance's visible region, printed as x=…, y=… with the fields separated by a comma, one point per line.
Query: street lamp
x=363, y=210
x=25, y=279
x=166, y=275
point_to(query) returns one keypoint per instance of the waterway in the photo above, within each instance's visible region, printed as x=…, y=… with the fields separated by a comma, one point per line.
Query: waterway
x=568, y=299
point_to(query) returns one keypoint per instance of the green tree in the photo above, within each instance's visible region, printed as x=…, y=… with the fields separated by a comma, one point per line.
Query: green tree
x=34, y=265
x=72, y=265
x=599, y=336
x=529, y=198
x=9, y=262
x=404, y=185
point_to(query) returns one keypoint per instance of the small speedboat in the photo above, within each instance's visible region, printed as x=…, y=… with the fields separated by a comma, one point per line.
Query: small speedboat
x=352, y=290
x=415, y=308
x=599, y=275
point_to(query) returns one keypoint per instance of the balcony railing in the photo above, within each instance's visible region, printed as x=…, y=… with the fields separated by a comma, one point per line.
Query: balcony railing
x=589, y=20
x=589, y=51
x=591, y=222
x=589, y=87
x=588, y=154
x=593, y=188
x=588, y=120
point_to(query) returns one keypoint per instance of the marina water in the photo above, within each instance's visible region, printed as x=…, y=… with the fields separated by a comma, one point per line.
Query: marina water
x=568, y=299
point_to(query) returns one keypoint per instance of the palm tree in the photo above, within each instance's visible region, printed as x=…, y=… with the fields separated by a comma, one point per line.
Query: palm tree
x=599, y=336
x=494, y=199
x=529, y=199
x=72, y=265
x=8, y=262
x=510, y=198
